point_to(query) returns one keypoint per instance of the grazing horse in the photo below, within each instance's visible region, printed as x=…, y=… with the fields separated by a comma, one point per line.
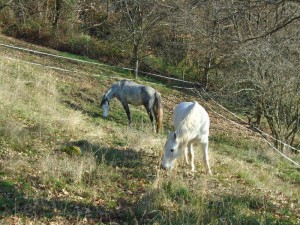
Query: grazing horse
x=128, y=92
x=191, y=123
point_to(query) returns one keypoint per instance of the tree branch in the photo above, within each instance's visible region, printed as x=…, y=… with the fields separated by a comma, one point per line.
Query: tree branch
x=279, y=27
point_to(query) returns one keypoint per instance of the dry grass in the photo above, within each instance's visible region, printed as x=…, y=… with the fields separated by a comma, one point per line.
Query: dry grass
x=117, y=176
x=67, y=169
x=34, y=97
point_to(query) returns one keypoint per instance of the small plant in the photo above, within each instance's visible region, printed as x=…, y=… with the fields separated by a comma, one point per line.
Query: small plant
x=72, y=150
x=177, y=191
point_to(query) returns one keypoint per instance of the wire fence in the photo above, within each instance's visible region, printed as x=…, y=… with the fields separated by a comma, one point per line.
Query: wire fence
x=193, y=89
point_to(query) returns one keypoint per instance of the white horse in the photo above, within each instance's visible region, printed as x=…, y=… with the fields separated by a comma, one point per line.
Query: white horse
x=191, y=123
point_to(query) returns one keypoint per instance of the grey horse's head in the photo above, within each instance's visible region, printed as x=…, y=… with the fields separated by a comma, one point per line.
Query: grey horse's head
x=105, y=106
x=171, y=151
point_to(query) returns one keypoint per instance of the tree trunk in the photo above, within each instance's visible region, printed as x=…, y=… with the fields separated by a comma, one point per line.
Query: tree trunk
x=136, y=69
x=135, y=60
x=207, y=67
x=20, y=14
x=58, y=6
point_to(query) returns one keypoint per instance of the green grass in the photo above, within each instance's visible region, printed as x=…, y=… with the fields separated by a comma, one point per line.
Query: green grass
x=172, y=205
x=61, y=162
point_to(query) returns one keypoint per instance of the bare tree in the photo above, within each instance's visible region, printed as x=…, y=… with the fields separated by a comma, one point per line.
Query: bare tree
x=205, y=25
x=139, y=18
x=253, y=20
x=271, y=74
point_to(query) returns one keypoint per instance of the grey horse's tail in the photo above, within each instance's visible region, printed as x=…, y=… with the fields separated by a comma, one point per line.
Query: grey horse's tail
x=158, y=111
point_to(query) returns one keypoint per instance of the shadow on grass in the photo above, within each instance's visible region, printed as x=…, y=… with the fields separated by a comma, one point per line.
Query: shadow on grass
x=14, y=202
x=130, y=164
x=78, y=107
x=133, y=166
x=111, y=156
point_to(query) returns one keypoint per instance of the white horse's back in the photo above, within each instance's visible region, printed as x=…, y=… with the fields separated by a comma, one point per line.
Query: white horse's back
x=191, y=119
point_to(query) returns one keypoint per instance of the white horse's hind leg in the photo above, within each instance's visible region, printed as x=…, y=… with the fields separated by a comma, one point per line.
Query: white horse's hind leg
x=186, y=155
x=191, y=151
x=205, y=156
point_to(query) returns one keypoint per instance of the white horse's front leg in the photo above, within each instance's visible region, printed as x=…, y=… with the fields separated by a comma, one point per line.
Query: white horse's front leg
x=205, y=156
x=191, y=150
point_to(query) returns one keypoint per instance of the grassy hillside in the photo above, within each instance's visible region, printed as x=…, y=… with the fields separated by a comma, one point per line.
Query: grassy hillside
x=62, y=163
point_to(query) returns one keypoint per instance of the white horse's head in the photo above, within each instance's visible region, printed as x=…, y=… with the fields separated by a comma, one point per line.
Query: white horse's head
x=171, y=151
x=105, y=106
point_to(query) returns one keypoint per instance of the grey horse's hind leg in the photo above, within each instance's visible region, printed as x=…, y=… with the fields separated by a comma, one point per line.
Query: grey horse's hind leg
x=149, y=111
x=126, y=107
x=147, y=102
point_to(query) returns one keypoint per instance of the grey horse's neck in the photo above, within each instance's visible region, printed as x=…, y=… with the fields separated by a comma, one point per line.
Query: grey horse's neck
x=111, y=93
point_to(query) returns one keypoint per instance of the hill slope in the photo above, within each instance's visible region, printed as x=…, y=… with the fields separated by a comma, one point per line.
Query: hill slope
x=61, y=163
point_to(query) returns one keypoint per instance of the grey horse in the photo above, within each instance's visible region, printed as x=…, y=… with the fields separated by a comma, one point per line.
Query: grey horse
x=128, y=92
